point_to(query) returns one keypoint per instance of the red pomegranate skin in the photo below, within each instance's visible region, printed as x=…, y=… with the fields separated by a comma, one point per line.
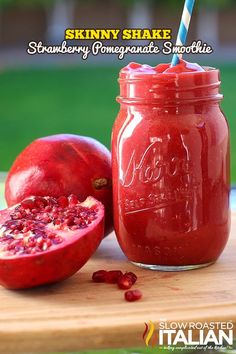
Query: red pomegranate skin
x=56, y=264
x=62, y=164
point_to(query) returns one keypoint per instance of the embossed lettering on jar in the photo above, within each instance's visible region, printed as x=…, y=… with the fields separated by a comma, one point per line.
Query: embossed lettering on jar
x=171, y=167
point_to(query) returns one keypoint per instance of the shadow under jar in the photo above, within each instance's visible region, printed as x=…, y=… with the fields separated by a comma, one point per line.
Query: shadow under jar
x=170, y=152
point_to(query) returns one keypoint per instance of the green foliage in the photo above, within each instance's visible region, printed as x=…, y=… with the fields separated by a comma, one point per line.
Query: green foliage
x=171, y=4
x=216, y=3
x=199, y=3
x=25, y=3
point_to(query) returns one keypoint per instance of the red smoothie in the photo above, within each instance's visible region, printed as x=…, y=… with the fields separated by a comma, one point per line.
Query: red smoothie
x=171, y=181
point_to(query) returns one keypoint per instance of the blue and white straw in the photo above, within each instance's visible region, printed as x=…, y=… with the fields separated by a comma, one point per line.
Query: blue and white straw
x=183, y=29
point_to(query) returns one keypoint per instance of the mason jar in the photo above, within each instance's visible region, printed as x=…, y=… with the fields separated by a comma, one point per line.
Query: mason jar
x=171, y=169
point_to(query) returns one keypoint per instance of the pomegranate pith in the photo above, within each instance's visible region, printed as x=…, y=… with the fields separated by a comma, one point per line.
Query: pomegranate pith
x=44, y=239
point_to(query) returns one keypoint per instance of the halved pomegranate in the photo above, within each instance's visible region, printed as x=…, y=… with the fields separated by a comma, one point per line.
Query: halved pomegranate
x=44, y=239
x=62, y=164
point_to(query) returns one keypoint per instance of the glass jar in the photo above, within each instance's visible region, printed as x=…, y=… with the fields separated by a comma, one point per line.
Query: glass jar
x=171, y=174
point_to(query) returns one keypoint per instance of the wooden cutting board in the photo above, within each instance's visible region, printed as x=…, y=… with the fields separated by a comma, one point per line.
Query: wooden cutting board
x=78, y=314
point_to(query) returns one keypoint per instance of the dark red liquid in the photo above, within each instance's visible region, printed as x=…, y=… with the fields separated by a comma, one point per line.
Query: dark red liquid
x=171, y=166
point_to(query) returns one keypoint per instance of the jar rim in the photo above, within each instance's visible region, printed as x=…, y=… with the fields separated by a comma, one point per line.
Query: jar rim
x=136, y=74
x=139, y=75
x=169, y=88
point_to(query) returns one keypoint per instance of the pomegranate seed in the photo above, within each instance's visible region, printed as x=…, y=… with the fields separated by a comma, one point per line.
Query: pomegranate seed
x=69, y=221
x=73, y=199
x=77, y=220
x=62, y=201
x=55, y=210
x=47, y=220
x=51, y=235
x=40, y=241
x=48, y=208
x=74, y=227
x=31, y=239
x=48, y=242
x=125, y=282
x=133, y=295
x=40, y=225
x=31, y=244
x=18, y=215
x=91, y=218
x=28, y=204
x=99, y=276
x=57, y=240
x=12, y=227
x=113, y=276
x=132, y=276
x=21, y=214
x=40, y=202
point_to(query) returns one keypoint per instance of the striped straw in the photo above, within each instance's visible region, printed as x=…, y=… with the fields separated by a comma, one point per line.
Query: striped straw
x=183, y=29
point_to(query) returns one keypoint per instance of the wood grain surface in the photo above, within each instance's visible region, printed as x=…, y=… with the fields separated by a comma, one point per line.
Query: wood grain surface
x=78, y=314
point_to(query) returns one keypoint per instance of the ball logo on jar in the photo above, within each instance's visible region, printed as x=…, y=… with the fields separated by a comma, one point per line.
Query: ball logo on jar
x=153, y=165
x=158, y=177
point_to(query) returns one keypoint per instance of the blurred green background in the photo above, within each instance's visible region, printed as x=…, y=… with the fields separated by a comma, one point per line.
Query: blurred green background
x=37, y=102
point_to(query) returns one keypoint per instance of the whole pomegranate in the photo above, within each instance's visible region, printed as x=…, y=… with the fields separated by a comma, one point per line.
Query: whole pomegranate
x=45, y=239
x=62, y=164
